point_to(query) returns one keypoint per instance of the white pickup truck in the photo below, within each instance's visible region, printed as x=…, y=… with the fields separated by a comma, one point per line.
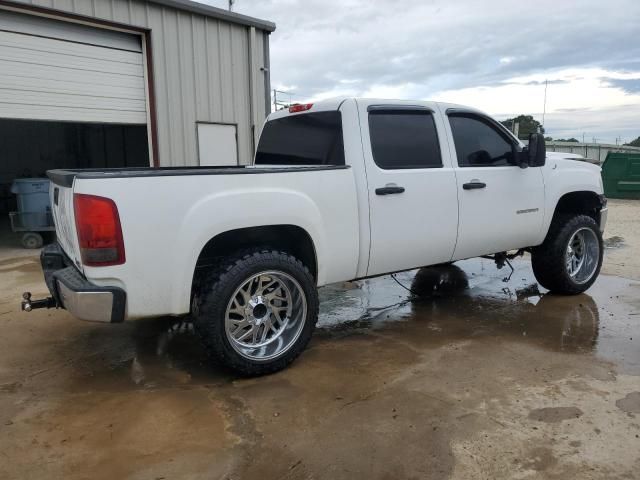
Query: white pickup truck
x=340, y=190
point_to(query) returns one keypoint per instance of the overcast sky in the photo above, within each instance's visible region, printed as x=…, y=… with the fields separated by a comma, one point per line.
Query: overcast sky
x=494, y=55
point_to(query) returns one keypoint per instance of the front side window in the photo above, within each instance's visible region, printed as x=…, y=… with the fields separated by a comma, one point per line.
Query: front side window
x=305, y=139
x=478, y=144
x=403, y=139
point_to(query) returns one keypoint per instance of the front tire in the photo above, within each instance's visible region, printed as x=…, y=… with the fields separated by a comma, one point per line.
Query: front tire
x=569, y=260
x=256, y=313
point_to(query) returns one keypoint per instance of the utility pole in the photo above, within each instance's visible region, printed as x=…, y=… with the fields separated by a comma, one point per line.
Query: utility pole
x=278, y=103
x=231, y=2
x=544, y=106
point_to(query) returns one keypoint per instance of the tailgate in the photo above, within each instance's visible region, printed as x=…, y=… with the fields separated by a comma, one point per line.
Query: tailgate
x=63, y=217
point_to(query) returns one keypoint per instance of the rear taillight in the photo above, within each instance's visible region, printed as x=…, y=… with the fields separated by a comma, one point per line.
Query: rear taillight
x=99, y=231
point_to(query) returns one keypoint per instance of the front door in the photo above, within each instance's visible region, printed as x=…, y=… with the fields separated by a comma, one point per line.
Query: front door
x=501, y=204
x=413, y=202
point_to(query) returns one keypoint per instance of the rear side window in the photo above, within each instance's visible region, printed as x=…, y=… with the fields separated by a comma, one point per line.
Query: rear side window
x=404, y=139
x=479, y=144
x=306, y=139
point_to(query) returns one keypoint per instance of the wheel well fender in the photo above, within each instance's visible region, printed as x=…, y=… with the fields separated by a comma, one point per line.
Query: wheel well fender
x=288, y=238
x=580, y=203
x=583, y=202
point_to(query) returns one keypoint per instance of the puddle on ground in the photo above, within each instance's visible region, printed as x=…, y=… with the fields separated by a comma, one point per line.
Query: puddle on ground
x=614, y=242
x=150, y=353
x=432, y=306
x=470, y=299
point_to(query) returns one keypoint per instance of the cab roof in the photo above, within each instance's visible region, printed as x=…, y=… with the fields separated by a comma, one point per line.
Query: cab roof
x=330, y=104
x=333, y=104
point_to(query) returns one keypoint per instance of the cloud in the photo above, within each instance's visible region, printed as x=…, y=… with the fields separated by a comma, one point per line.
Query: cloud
x=578, y=101
x=628, y=85
x=466, y=50
x=545, y=82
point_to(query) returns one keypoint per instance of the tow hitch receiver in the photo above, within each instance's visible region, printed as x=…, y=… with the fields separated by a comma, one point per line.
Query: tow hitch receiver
x=28, y=304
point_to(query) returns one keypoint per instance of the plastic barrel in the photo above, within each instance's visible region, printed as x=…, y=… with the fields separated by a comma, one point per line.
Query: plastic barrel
x=33, y=198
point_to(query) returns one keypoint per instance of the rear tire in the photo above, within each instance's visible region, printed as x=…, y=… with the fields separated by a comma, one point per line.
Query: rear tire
x=256, y=312
x=569, y=260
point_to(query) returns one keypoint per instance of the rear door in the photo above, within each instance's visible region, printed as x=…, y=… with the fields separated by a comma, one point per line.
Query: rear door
x=411, y=186
x=501, y=204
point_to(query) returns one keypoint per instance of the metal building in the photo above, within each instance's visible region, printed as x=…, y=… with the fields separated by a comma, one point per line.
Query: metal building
x=110, y=83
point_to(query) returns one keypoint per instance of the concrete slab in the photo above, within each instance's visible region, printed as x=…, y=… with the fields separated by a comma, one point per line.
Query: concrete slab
x=475, y=378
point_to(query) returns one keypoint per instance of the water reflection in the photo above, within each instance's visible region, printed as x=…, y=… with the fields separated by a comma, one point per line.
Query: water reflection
x=558, y=322
x=439, y=280
x=456, y=302
x=167, y=352
x=449, y=303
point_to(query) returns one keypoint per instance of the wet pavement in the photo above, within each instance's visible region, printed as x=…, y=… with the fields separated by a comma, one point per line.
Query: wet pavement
x=471, y=299
x=447, y=372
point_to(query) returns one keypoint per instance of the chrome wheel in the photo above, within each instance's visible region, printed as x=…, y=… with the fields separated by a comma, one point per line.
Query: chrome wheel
x=265, y=315
x=582, y=255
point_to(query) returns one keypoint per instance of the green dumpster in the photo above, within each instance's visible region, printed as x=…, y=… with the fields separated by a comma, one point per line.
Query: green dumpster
x=621, y=175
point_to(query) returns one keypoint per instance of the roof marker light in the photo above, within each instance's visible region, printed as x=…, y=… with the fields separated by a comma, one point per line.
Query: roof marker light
x=300, y=107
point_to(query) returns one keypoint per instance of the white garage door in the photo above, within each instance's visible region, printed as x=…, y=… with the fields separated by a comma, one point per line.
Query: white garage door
x=54, y=70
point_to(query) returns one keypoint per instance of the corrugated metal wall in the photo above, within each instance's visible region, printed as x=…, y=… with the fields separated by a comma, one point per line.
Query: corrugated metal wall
x=202, y=72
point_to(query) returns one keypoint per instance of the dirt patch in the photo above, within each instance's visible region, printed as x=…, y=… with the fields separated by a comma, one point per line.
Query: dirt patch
x=11, y=387
x=630, y=403
x=555, y=414
x=20, y=264
x=540, y=459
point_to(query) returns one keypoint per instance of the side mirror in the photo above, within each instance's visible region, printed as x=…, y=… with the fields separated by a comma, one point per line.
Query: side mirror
x=537, y=150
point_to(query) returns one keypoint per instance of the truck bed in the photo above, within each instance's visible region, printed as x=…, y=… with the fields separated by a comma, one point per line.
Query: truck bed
x=65, y=178
x=168, y=215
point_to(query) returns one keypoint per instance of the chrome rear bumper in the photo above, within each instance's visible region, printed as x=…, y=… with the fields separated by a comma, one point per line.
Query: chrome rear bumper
x=73, y=292
x=86, y=301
